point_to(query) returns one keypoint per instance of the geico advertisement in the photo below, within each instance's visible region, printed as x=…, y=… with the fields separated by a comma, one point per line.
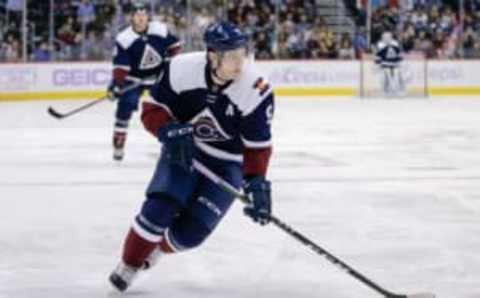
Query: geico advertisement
x=54, y=77
x=96, y=76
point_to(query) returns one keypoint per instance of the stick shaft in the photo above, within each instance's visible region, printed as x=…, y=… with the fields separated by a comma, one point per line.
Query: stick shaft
x=297, y=235
x=58, y=115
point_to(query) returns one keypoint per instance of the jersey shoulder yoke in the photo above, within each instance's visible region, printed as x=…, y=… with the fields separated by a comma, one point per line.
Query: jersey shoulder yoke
x=127, y=37
x=187, y=71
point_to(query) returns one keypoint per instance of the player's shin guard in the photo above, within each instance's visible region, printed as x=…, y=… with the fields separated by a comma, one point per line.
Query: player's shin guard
x=119, y=139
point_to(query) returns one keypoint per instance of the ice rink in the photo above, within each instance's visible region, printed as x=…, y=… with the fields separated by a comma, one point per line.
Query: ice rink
x=390, y=186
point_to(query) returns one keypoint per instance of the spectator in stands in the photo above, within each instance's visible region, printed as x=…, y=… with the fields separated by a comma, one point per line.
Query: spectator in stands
x=469, y=43
x=447, y=20
x=12, y=50
x=66, y=34
x=419, y=19
x=345, y=49
x=423, y=44
x=41, y=53
x=90, y=49
x=438, y=43
x=476, y=50
x=263, y=48
x=2, y=30
x=299, y=32
x=407, y=38
x=360, y=42
x=3, y=49
x=85, y=12
x=295, y=45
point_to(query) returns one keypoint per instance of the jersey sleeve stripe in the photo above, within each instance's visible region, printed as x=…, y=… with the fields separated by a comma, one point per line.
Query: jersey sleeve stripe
x=123, y=67
x=256, y=144
x=142, y=81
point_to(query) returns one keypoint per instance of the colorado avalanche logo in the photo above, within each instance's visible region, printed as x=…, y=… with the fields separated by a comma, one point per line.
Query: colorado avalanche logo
x=207, y=128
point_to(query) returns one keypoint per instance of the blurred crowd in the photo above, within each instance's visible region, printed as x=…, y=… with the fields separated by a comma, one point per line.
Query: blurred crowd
x=84, y=30
x=436, y=28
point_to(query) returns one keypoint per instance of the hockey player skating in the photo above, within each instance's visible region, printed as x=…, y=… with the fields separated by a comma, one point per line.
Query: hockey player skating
x=139, y=55
x=389, y=57
x=214, y=108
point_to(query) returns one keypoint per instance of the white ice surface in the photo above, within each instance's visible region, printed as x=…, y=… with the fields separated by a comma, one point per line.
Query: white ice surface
x=391, y=187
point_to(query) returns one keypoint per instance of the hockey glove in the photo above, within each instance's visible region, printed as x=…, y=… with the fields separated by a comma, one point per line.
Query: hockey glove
x=258, y=190
x=114, y=91
x=178, y=144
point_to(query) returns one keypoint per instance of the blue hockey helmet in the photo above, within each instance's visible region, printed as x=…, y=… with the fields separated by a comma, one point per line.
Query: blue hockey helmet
x=139, y=5
x=224, y=36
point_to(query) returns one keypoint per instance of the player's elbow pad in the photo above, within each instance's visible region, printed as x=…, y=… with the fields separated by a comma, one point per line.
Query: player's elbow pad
x=153, y=117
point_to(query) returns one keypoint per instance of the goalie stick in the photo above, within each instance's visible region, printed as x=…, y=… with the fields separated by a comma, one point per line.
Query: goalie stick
x=304, y=240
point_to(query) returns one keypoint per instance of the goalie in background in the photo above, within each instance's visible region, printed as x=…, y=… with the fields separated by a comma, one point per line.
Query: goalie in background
x=389, y=57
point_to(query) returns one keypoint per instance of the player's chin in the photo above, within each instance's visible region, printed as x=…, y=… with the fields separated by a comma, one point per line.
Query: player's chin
x=234, y=75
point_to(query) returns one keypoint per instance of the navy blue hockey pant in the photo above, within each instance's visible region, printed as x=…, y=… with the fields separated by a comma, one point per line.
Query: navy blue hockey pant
x=185, y=207
x=128, y=103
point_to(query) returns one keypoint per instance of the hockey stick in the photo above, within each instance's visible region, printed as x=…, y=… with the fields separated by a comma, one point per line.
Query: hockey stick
x=54, y=113
x=304, y=240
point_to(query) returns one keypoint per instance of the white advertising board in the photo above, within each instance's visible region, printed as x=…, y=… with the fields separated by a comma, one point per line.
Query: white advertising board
x=77, y=80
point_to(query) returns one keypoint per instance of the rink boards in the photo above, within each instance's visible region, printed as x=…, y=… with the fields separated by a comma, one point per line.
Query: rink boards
x=290, y=78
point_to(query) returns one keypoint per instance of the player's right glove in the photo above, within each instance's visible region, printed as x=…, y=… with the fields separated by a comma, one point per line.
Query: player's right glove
x=178, y=143
x=257, y=188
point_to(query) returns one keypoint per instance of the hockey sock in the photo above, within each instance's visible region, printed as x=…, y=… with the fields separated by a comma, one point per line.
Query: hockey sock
x=148, y=229
x=136, y=249
x=120, y=133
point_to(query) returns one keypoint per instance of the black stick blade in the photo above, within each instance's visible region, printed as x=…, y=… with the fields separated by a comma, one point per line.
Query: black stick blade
x=422, y=295
x=54, y=113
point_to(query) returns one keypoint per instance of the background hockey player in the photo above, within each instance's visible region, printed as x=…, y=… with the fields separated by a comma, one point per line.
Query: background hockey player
x=389, y=57
x=140, y=52
x=212, y=107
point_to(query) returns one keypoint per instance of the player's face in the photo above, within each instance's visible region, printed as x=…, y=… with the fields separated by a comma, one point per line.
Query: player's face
x=140, y=21
x=231, y=63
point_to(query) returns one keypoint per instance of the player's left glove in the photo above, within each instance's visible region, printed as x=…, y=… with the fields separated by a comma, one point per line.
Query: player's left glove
x=114, y=91
x=257, y=189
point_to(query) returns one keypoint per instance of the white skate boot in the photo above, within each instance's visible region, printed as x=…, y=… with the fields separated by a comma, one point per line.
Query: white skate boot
x=122, y=276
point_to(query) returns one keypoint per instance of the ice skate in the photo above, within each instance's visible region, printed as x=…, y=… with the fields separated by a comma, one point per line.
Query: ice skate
x=119, y=145
x=122, y=276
